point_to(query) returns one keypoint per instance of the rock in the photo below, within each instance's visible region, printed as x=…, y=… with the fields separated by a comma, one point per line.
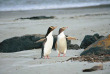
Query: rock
x=26, y=42
x=96, y=51
x=94, y=68
x=89, y=39
x=38, y=17
x=100, y=47
x=21, y=43
x=75, y=46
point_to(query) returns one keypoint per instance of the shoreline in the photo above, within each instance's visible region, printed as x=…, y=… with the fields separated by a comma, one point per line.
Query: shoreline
x=62, y=9
x=96, y=6
x=68, y=8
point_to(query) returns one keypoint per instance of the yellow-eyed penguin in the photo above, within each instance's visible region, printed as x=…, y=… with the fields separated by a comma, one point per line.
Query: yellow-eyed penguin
x=48, y=43
x=61, y=43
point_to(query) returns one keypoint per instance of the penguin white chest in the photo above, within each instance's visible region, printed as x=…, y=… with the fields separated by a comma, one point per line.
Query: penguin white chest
x=48, y=44
x=61, y=43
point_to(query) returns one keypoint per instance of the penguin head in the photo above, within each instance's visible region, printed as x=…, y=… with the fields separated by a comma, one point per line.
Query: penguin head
x=50, y=29
x=62, y=29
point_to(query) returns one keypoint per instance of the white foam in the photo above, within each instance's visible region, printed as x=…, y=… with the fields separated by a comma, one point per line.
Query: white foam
x=13, y=5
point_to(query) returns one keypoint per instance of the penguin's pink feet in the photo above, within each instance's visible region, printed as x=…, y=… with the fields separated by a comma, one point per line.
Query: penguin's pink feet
x=45, y=57
x=64, y=55
x=58, y=55
x=48, y=57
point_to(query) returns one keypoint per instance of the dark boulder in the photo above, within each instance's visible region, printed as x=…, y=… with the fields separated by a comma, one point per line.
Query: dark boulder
x=100, y=47
x=96, y=51
x=21, y=43
x=73, y=46
x=89, y=39
x=26, y=42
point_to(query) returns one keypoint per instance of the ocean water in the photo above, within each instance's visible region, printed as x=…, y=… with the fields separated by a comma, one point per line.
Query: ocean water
x=14, y=5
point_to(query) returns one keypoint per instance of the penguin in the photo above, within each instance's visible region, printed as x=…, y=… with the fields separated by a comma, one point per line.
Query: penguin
x=47, y=43
x=61, y=43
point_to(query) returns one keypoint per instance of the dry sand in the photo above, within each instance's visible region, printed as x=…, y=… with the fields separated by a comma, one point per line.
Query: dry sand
x=81, y=22
x=24, y=63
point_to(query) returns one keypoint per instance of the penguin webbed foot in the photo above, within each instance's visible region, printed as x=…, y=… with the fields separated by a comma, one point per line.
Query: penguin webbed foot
x=58, y=55
x=64, y=55
x=46, y=57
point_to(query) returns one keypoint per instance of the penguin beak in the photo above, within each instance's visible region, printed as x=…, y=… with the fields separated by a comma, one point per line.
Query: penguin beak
x=55, y=27
x=65, y=28
x=52, y=27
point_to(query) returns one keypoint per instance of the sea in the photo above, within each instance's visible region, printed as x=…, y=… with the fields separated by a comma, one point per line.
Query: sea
x=16, y=5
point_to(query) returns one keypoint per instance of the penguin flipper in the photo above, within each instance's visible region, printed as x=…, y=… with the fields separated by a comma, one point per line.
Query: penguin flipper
x=70, y=38
x=40, y=40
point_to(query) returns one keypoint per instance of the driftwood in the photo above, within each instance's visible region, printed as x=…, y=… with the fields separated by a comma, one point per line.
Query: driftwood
x=94, y=68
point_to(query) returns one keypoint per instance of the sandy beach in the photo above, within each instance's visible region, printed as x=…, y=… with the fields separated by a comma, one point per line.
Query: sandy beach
x=24, y=62
x=80, y=22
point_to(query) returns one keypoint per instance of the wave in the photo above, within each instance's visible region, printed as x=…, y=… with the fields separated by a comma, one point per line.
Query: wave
x=33, y=6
